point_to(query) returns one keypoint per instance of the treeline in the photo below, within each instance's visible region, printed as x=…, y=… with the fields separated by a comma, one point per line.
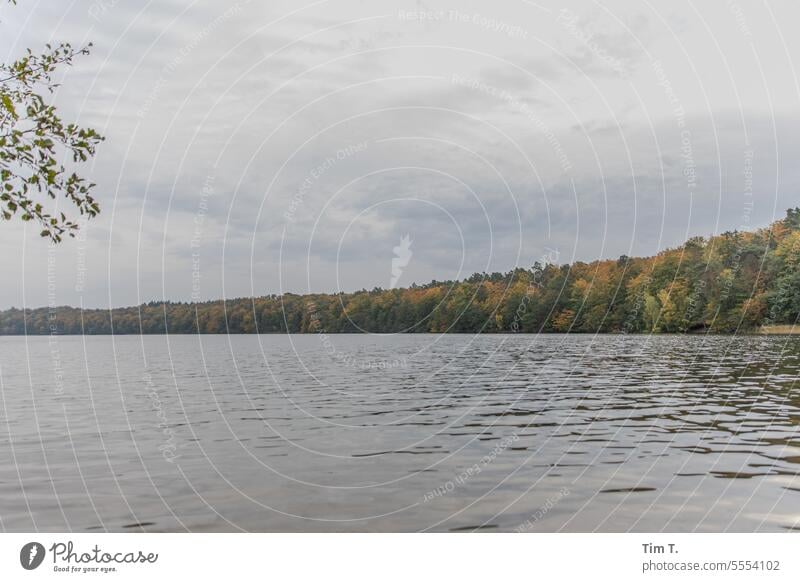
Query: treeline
x=734, y=281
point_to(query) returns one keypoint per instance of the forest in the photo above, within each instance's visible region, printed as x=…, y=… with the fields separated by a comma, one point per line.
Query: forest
x=733, y=282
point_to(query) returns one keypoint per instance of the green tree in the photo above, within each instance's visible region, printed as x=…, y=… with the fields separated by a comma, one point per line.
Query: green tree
x=35, y=143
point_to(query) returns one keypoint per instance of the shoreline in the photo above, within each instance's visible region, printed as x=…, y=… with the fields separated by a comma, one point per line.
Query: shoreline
x=764, y=330
x=788, y=329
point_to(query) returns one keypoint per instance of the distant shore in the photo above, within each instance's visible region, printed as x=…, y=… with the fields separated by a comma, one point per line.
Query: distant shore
x=779, y=330
x=764, y=330
x=730, y=283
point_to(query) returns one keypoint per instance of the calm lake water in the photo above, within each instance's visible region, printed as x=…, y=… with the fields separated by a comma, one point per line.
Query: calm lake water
x=400, y=433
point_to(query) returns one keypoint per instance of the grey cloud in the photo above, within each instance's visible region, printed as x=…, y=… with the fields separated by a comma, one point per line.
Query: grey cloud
x=216, y=111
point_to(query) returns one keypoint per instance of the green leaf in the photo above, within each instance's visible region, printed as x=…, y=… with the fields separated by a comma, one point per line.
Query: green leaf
x=8, y=104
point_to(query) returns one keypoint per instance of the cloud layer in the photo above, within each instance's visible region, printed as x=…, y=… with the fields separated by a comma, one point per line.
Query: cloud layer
x=259, y=149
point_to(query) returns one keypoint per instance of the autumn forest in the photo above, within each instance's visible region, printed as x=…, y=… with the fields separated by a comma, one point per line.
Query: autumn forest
x=736, y=281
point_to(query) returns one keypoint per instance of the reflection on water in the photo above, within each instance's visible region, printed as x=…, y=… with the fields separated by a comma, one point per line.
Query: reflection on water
x=400, y=433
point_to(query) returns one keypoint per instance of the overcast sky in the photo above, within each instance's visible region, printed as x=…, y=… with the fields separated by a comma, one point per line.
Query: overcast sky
x=257, y=148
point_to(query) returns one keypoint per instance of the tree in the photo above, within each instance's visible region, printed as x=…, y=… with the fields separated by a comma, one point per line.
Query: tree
x=674, y=301
x=563, y=321
x=35, y=142
x=652, y=313
x=792, y=220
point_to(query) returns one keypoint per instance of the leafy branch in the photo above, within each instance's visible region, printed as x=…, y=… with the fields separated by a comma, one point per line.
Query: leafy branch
x=34, y=142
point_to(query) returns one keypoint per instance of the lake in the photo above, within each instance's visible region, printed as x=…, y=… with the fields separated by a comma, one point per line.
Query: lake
x=532, y=433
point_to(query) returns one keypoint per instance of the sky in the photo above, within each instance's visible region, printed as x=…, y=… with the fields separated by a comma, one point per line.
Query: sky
x=255, y=148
